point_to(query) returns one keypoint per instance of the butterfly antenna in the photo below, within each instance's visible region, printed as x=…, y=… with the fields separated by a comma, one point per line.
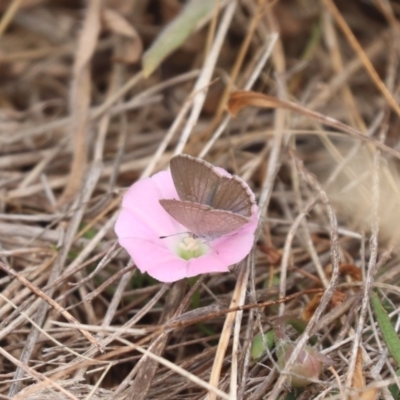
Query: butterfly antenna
x=174, y=234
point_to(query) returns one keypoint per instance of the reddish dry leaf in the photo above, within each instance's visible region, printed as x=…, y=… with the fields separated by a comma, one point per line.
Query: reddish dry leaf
x=351, y=270
x=346, y=269
x=358, y=378
x=310, y=308
x=243, y=99
x=337, y=299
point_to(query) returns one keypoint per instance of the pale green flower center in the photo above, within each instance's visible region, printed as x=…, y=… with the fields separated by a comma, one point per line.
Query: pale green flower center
x=190, y=247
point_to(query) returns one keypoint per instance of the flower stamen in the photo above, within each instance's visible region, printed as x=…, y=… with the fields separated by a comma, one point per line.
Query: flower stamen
x=191, y=247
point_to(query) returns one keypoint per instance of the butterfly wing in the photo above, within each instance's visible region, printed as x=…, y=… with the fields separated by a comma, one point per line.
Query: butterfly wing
x=194, y=179
x=233, y=195
x=202, y=220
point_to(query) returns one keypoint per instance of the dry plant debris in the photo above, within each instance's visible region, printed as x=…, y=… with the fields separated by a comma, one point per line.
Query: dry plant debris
x=92, y=98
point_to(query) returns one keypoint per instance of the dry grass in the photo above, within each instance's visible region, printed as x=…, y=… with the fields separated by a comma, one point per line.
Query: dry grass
x=79, y=123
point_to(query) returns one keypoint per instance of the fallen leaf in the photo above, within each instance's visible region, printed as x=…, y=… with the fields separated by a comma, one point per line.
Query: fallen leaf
x=337, y=299
x=346, y=269
x=243, y=99
x=359, y=382
x=352, y=270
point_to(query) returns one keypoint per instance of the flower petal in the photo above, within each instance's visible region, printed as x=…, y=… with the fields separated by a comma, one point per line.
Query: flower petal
x=128, y=225
x=170, y=270
x=158, y=262
x=142, y=200
x=164, y=183
x=234, y=249
x=206, y=264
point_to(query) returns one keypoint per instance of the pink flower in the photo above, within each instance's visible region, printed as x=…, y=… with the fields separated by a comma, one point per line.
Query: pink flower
x=162, y=247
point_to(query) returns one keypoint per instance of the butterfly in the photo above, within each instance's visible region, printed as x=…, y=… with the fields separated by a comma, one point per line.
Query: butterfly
x=210, y=205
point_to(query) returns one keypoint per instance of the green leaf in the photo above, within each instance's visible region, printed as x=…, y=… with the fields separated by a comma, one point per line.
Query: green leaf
x=175, y=33
x=394, y=389
x=261, y=342
x=389, y=334
x=298, y=324
x=206, y=330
